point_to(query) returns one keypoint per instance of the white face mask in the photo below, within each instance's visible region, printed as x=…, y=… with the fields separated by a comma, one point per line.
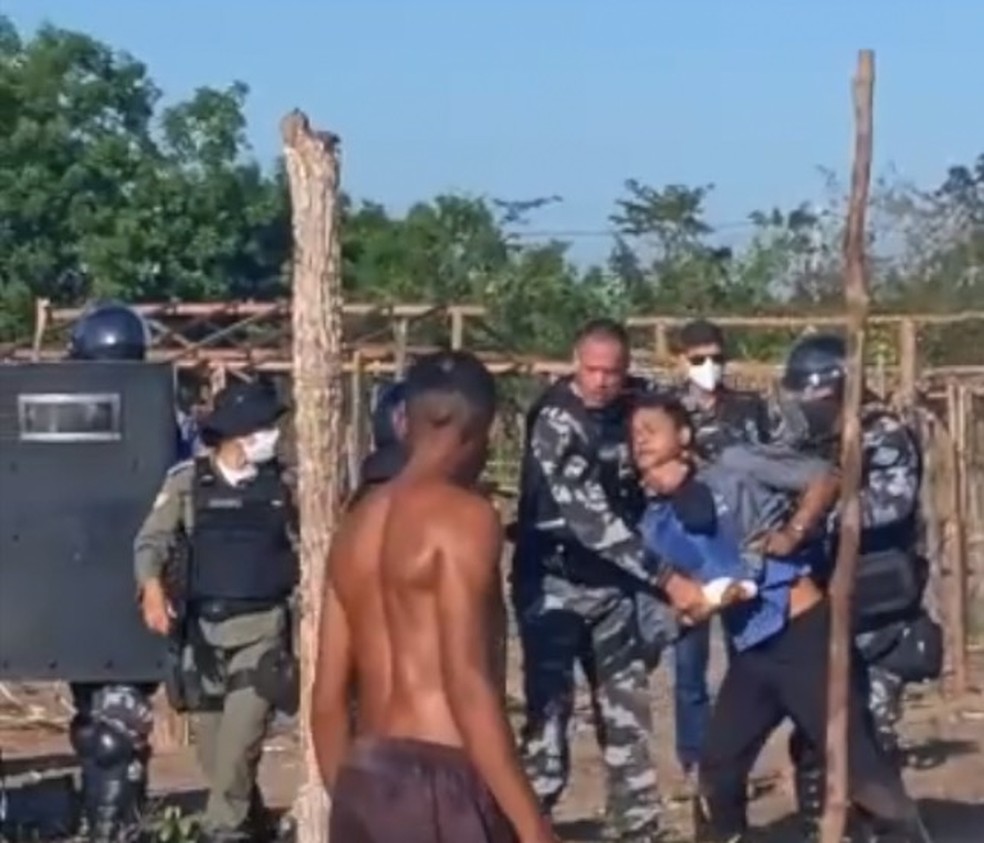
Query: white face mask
x=235, y=476
x=261, y=446
x=707, y=375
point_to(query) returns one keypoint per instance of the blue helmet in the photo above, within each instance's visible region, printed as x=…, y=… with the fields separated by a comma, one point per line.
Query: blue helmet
x=109, y=331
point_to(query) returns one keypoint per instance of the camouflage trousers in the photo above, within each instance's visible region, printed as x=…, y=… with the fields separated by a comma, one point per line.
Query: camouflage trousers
x=885, y=692
x=563, y=626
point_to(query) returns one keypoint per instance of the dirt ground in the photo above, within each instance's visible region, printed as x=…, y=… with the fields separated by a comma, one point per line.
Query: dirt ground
x=944, y=737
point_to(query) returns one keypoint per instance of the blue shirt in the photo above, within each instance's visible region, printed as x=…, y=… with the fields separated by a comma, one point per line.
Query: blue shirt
x=733, y=483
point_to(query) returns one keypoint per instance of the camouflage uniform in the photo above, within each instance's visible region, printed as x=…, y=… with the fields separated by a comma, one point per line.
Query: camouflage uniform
x=583, y=592
x=737, y=418
x=890, y=497
x=892, y=474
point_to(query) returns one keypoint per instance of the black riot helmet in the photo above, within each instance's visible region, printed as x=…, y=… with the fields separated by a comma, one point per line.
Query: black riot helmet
x=109, y=331
x=811, y=398
x=816, y=364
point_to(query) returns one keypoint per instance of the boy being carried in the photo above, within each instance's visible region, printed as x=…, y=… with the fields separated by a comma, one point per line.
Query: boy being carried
x=753, y=524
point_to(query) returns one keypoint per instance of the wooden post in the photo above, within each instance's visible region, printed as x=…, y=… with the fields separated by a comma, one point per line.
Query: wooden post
x=402, y=332
x=908, y=362
x=842, y=585
x=41, y=308
x=216, y=380
x=171, y=730
x=356, y=426
x=457, y=328
x=661, y=343
x=957, y=534
x=313, y=171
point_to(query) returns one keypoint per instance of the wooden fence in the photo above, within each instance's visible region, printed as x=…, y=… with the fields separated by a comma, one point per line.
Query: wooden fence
x=210, y=341
x=255, y=336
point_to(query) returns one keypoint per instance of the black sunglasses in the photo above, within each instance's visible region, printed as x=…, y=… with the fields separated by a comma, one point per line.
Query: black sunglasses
x=699, y=359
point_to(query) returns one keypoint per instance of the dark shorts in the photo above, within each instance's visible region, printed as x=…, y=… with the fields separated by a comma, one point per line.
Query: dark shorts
x=397, y=789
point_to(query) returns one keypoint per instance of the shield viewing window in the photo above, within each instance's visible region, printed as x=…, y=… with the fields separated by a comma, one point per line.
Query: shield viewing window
x=69, y=417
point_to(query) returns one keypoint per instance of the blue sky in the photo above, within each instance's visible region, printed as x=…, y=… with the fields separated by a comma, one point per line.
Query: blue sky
x=521, y=99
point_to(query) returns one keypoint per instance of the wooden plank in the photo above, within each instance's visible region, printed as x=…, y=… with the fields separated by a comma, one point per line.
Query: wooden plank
x=957, y=407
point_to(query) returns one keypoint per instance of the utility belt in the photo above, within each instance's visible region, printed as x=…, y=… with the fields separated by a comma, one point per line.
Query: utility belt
x=222, y=609
x=196, y=679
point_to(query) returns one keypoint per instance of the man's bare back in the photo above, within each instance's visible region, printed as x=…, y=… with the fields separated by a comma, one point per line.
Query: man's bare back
x=411, y=611
x=441, y=592
x=382, y=573
x=354, y=573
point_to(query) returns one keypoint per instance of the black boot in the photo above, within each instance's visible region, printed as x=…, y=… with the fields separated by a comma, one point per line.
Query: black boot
x=703, y=830
x=809, y=785
x=115, y=802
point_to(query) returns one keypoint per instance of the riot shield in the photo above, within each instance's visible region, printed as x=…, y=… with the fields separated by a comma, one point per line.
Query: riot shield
x=84, y=447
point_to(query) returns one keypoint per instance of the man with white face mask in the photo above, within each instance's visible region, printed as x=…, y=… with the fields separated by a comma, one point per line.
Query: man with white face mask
x=719, y=417
x=228, y=615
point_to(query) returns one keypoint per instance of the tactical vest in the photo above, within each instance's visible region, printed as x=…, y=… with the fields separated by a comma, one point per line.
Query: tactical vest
x=240, y=546
x=607, y=444
x=891, y=576
x=904, y=533
x=737, y=419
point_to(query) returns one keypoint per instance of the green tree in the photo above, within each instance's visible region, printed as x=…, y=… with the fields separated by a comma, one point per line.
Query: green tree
x=663, y=260
x=95, y=181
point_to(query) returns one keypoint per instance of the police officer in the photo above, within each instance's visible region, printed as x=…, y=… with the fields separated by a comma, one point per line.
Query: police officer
x=233, y=511
x=110, y=732
x=719, y=416
x=583, y=584
x=889, y=620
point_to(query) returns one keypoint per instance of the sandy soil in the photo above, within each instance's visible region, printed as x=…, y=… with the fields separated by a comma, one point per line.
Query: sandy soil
x=944, y=737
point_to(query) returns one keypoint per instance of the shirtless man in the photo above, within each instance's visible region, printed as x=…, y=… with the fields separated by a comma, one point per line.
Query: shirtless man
x=413, y=591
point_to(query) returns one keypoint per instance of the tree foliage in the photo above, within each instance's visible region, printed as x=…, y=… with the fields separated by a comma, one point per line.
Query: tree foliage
x=105, y=192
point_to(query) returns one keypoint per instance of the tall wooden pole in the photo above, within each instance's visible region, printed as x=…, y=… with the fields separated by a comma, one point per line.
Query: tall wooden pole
x=842, y=585
x=313, y=171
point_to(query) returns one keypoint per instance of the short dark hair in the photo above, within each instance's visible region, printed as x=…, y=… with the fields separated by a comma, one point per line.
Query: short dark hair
x=666, y=403
x=700, y=332
x=603, y=328
x=450, y=388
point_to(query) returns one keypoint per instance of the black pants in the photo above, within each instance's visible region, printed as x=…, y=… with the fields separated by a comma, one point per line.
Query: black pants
x=787, y=677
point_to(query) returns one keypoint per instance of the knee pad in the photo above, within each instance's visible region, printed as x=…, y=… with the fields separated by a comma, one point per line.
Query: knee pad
x=111, y=748
x=82, y=736
x=114, y=783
